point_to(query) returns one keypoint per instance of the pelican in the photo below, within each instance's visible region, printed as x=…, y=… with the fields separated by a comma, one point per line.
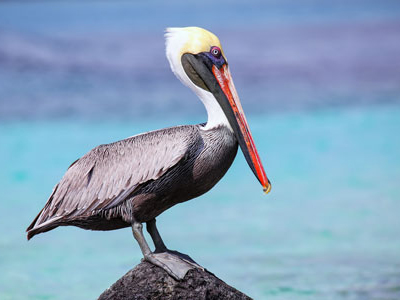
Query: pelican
x=132, y=181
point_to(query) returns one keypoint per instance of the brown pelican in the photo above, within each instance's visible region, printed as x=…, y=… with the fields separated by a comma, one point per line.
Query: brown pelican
x=132, y=181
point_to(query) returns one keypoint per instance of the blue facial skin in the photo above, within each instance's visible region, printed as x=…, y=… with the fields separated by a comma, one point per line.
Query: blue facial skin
x=217, y=61
x=210, y=60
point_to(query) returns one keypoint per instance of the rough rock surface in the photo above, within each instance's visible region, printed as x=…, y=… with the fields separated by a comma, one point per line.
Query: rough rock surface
x=147, y=281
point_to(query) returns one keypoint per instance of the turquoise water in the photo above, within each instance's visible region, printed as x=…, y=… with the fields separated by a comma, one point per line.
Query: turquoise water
x=328, y=230
x=319, y=82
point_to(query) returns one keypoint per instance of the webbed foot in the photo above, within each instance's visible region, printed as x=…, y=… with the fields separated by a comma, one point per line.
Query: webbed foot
x=176, y=264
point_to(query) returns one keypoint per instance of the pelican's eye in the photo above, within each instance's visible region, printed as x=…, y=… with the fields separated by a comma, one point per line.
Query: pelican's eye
x=215, y=51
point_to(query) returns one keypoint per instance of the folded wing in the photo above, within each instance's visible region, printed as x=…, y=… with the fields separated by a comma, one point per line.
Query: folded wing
x=108, y=174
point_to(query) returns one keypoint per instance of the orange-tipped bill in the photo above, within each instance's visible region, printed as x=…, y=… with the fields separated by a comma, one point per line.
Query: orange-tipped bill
x=240, y=126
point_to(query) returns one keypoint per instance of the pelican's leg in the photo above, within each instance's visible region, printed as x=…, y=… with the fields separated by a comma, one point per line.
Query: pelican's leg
x=155, y=235
x=170, y=263
x=160, y=246
x=138, y=234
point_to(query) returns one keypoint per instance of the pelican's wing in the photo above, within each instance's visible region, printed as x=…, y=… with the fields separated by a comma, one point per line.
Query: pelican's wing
x=108, y=174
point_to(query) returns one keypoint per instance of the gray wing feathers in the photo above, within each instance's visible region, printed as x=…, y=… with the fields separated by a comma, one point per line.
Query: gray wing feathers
x=106, y=175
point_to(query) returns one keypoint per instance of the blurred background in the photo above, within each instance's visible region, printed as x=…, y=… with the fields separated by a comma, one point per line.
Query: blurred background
x=320, y=84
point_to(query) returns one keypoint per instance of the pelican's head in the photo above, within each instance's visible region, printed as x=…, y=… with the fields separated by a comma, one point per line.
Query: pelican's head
x=197, y=59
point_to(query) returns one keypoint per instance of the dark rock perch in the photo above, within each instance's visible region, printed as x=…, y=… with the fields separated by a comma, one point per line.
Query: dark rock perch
x=147, y=281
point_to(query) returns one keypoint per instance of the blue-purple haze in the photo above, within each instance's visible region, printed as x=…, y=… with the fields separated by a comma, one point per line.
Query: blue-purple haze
x=319, y=81
x=106, y=60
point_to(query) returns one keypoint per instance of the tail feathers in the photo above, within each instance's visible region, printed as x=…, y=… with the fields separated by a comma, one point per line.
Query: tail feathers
x=34, y=221
x=32, y=230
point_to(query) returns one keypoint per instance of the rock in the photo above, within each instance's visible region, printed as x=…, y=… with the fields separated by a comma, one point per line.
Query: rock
x=147, y=281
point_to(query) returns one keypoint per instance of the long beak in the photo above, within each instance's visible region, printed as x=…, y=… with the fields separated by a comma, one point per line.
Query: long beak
x=219, y=83
x=242, y=131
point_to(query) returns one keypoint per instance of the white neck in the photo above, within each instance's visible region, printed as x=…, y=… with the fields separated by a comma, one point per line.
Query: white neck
x=216, y=115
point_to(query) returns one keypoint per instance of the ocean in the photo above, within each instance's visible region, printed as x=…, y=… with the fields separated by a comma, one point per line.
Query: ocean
x=319, y=82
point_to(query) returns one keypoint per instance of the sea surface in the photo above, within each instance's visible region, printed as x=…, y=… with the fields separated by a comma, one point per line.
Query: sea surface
x=320, y=84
